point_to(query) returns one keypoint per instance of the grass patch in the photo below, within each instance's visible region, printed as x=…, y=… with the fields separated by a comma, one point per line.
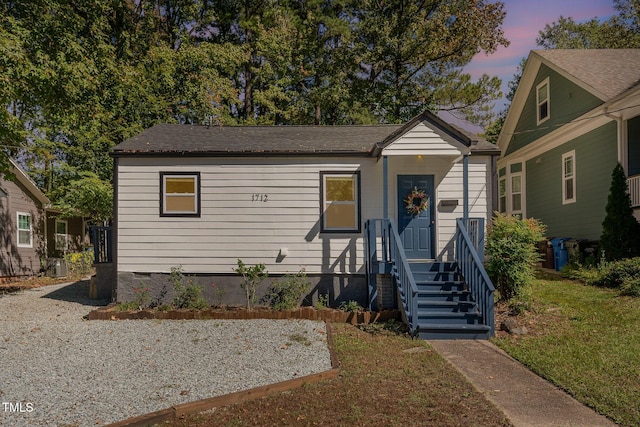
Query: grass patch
x=379, y=384
x=586, y=340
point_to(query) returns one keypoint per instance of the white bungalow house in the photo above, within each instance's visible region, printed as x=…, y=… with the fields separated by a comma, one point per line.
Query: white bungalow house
x=295, y=197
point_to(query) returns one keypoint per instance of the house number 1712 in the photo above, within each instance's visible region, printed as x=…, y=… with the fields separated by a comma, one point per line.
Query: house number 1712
x=259, y=197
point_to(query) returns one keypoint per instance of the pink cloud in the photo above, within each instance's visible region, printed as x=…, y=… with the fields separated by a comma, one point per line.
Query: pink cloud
x=523, y=22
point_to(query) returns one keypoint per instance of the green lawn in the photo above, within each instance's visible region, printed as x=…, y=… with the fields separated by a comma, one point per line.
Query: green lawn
x=586, y=340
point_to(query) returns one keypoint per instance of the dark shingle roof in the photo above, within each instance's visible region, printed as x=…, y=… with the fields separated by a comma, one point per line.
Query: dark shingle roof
x=174, y=139
x=608, y=71
x=217, y=140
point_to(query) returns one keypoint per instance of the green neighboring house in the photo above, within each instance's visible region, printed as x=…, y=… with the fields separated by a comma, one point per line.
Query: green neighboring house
x=575, y=114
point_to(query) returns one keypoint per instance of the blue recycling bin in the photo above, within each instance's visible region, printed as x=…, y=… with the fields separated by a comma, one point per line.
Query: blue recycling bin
x=560, y=253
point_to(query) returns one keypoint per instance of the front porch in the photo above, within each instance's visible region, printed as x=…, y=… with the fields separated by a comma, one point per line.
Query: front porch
x=439, y=300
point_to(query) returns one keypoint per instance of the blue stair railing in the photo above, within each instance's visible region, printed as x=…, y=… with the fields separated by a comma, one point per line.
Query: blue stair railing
x=469, y=256
x=385, y=254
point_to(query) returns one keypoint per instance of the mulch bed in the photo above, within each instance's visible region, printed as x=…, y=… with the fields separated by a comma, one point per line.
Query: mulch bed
x=309, y=313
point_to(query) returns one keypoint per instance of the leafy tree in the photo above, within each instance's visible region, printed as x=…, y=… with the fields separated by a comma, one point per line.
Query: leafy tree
x=87, y=196
x=620, y=31
x=79, y=77
x=620, y=230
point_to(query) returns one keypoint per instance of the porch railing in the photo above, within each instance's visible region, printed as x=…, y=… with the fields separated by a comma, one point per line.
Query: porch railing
x=384, y=250
x=102, y=238
x=475, y=230
x=472, y=268
x=633, y=184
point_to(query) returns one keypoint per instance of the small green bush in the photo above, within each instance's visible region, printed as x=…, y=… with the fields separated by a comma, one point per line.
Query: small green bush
x=350, y=306
x=79, y=263
x=615, y=274
x=631, y=287
x=512, y=252
x=252, y=277
x=322, y=302
x=285, y=294
x=623, y=275
x=188, y=295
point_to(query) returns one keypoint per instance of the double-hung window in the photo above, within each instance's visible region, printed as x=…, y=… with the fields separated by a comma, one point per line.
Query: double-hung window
x=542, y=101
x=61, y=236
x=502, y=197
x=569, y=177
x=340, y=196
x=516, y=194
x=180, y=194
x=25, y=234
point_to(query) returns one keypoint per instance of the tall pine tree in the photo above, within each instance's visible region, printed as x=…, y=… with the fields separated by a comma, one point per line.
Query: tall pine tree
x=620, y=230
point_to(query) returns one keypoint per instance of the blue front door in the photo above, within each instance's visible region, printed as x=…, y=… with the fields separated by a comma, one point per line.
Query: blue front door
x=416, y=229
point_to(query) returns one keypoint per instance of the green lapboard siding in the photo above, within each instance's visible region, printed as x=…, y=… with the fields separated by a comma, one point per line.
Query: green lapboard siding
x=566, y=102
x=596, y=156
x=634, y=146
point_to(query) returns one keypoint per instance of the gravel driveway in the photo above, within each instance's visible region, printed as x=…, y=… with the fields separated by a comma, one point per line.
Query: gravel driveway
x=58, y=369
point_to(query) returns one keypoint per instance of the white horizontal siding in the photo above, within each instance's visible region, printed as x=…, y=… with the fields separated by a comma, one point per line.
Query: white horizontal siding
x=233, y=226
x=422, y=140
x=449, y=186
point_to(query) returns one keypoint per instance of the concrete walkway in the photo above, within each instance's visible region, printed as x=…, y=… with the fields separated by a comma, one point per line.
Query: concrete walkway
x=525, y=398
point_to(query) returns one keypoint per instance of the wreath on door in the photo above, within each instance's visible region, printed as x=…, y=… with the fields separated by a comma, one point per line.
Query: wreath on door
x=416, y=202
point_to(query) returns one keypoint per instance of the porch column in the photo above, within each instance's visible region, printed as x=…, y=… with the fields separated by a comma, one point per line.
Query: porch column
x=385, y=187
x=465, y=186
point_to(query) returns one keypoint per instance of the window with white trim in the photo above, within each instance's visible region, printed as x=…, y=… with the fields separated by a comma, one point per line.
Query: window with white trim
x=180, y=194
x=340, y=196
x=502, y=196
x=542, y=101
x=569, y=177
x=25, y=233
x=516, y=194
x=61, y=236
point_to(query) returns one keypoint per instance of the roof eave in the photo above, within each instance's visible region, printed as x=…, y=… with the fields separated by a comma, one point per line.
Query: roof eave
x=252, y=153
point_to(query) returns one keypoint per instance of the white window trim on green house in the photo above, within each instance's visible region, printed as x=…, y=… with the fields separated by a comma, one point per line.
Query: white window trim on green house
x=502, y=194
x=24, y=230
x=61, y=238
x=569, y=177
x=516, y=193
x=508, y=192
x=543, y=100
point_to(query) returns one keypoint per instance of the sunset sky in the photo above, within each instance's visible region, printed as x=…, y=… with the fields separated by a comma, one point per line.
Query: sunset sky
x=525, y=18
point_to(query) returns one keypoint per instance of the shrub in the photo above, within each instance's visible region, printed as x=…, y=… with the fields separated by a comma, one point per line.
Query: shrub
x=79, y=263
x=252, y=276
x=188, y=295
x=322, y=302
x=623, y=275
x=285, y=294
x=512, y=252
x=616, y=274
x=350, y=306
x=620, y=230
